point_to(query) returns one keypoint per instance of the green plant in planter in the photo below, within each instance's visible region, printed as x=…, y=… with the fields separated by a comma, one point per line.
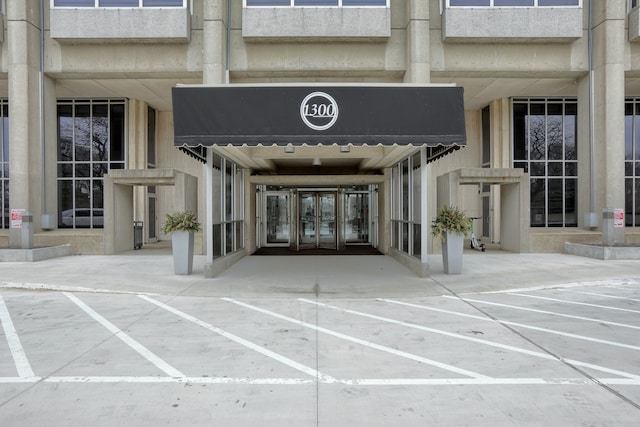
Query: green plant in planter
x=180, y=221
x=451, y=220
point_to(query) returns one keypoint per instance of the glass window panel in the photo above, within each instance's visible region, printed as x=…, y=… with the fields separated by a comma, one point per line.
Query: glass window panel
x=364, y=2
x=546, y=3
x=538, y=202
x=65, y=204
x=268, y=2
x=555, y=128
x=520, y=134
x=100, y=133
x=628, y=168
x=162, y=3
x=636, y=137
x=405, y=189
x=82, y=170
x=151, y=137
x=537, y=132
x=100, y=169
x=216, y=189
x=537, y=169
x=5, y=136
x=628, y=132
x=555, y=203
x=119, y=3
x=636, y=216
x=628, y=201
x=513, y=2
x=82, y=133
x=416, y=240
x=416, y=188
x=65, y=133
x=316, y=3
x=469, y=3
x=217, y=240
x=74, y=3
x=555, y=169
x=570, y=147
x=116, y=134
x=570, y=203
x=405, y=237
x=228, y=185
x=571, y=169
x=228, y=237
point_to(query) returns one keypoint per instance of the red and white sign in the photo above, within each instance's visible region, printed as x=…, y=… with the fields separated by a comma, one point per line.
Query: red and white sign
x=618, y=217
x=16, y=218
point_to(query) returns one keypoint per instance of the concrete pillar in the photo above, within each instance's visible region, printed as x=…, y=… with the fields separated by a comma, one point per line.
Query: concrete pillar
x=214, y=43
x=25, y=144
x=418, y=52
x=609, y=38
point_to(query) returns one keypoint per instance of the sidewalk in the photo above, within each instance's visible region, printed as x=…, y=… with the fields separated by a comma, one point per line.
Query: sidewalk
x=150, y=270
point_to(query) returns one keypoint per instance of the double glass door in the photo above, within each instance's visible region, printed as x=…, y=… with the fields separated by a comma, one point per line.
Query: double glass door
x=317, y=226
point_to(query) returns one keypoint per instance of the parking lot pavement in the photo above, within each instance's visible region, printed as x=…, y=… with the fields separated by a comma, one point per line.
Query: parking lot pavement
x=566, y=356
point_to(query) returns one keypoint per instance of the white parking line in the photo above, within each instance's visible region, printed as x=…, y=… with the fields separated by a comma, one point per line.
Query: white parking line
x=273, y=355
x=372, y=382
x=603, y=295
x=23, y=367
x=606, y=307
x=471, y=316
x=360, y=341
x=553, y=313
x=142, y=350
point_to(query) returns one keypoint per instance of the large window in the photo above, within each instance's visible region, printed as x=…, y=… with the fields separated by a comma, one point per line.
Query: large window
x=405, y=212
x=228, y=206
x=4, y=163
x=119, y=3
x=331, y=3
x=512, y=3
x=632, y=162
x=544, y=145
x=91, y=142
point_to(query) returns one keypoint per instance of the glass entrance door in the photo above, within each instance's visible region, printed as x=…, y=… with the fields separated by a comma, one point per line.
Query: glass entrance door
x=317, y=220
x=357, y=218
x=277, y=205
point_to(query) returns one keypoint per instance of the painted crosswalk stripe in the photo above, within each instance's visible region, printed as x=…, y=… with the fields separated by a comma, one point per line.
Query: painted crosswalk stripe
x=360, y=341
x=255, y=347
x=23, y=367
x=141, y=349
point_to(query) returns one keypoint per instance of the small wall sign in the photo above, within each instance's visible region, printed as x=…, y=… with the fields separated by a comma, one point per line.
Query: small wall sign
x=16, y=218
x=618, y=217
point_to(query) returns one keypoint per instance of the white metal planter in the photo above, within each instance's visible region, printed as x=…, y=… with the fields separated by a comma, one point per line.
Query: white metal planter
x=452, y=248
x=182, y=248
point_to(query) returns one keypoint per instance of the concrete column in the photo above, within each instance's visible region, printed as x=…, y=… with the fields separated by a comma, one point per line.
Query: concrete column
x=25, y=144
x=418, y=52
x=214, y=43
x=609, y=38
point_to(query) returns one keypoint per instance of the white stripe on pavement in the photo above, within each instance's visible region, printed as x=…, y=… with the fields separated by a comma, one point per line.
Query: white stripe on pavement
x=308, y=381
x=135, y=345
x=603, y=295
x=273, y=355
x=504, y=322
x=606, y=307
x=23, y=367
x=360, y=341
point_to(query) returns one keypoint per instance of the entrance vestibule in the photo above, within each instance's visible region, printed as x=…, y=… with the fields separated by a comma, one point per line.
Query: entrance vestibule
x=314, y=218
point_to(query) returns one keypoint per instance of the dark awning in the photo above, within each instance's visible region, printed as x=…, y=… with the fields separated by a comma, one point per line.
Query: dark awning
x=320, y=114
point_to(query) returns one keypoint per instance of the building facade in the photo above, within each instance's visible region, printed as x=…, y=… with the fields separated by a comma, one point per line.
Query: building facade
x=551, y=89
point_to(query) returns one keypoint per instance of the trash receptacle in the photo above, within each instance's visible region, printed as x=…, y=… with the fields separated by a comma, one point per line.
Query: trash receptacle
x=137, y=234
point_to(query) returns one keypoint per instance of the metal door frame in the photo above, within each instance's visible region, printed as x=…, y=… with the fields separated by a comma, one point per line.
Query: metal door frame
x=336, y=211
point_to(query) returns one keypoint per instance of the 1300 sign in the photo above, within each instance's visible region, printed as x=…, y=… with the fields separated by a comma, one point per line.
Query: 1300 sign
x=319, y=111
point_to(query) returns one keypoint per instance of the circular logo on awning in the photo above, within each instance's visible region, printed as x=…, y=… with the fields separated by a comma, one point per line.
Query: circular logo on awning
x=319, y=111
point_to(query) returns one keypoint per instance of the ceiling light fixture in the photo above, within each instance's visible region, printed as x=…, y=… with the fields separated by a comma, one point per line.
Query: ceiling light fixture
x=316, y=162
